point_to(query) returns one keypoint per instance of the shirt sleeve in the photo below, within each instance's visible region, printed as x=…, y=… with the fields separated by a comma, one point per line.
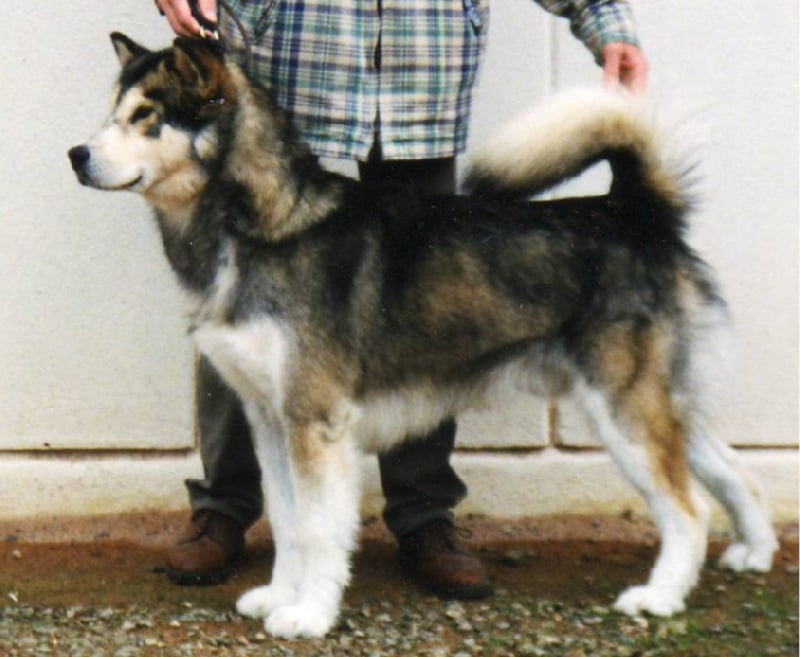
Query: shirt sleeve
x=596, y=22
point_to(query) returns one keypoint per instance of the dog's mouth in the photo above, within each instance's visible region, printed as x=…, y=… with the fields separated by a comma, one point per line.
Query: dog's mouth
x=125, y=186
x=89, y=182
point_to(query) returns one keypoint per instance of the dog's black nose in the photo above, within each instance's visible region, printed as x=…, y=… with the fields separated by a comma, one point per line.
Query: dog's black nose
x=79, y=156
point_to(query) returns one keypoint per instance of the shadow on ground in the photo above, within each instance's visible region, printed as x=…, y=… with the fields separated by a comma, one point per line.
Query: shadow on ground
x=94, y=588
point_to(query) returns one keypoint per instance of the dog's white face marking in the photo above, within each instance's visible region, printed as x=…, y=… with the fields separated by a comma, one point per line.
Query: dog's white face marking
x=133, y=151
x=136, y=150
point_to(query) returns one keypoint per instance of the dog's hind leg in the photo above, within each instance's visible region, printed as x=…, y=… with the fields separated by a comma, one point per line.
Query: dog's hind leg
x=323, y=467
x=646, y=441
x=716, y=466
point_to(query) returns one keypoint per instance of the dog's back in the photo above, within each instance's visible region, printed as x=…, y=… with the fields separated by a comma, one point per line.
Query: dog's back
x=442, y=290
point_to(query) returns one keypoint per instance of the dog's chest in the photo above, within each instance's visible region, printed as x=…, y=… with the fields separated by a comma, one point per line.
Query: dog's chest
x=216, y=303
x=250, y=355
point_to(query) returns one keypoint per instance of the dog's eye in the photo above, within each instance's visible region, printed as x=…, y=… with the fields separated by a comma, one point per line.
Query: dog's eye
x=141, y=113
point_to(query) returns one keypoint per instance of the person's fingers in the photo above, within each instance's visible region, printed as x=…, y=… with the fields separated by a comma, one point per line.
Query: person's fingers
x=179, y=17
x=635, y=74
x=624, y=64
x=611, y=67
x=208, y=9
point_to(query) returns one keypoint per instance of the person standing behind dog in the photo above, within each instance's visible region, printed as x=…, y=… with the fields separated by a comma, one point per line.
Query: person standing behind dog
x=387, y=83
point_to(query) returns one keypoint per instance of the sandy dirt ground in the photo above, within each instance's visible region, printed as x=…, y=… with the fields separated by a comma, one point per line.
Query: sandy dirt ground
x=95, y=587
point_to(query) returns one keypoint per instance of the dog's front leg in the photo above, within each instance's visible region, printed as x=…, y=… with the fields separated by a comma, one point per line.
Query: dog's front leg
x=318, y=526
x=272, y=449
x=325, y=523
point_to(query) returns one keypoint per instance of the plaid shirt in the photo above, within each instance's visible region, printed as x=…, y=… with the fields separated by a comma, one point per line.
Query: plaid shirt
x=404, y=70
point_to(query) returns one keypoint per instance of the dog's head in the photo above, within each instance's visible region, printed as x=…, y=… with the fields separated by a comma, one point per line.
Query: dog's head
x=163, y=126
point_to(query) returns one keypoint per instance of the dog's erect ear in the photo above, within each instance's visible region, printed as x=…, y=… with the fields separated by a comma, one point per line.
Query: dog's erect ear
x=200, y=64
x=126, y=48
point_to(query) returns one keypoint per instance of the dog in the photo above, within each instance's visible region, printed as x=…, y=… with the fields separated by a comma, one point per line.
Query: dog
x=348, y=316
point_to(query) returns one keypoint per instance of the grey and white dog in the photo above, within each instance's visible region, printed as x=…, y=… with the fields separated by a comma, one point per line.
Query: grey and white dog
x=348, y=316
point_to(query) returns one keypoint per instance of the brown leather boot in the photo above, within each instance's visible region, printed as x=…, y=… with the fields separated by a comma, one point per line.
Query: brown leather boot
x=436, y=557
x=207, y=550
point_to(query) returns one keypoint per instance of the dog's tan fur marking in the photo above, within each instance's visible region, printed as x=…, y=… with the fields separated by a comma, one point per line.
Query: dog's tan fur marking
x=636, y=365
x=318, y=409
x=177, y=191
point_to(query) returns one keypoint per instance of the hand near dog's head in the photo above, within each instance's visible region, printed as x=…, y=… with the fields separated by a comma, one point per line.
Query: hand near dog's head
x=181, y=19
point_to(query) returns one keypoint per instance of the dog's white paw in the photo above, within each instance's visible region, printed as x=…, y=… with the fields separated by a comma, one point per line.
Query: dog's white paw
x=299, y=620
x=262, y=600
x=655, y=600
x=741, y=556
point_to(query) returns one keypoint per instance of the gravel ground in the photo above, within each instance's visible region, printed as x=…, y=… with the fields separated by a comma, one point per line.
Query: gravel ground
x=553, y=597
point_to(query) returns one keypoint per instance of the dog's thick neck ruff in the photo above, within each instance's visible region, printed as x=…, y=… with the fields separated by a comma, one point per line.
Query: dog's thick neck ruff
x=265, y=157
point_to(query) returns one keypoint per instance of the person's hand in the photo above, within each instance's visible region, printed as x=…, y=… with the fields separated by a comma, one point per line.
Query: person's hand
x=624, y=64
x=180, y=16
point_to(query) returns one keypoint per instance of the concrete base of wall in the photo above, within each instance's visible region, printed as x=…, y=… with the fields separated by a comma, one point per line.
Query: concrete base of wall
x=523, y=484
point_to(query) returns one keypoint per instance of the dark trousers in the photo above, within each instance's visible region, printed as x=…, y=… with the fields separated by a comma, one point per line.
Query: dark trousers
x=417, y=480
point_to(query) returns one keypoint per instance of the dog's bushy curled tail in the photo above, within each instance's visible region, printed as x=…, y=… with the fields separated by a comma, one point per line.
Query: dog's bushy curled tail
x=569, y=133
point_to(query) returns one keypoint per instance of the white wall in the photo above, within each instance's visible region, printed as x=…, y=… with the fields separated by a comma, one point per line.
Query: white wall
x=95, y=355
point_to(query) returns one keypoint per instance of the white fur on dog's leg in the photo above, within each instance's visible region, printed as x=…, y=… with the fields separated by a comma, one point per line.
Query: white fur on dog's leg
x=300, y=620
x=271, y=450
x=717, y=467
x=261, y=601
x=655, y=600
x=324, y=533
x=716, y=464
x=741, y=557
x=683, y=527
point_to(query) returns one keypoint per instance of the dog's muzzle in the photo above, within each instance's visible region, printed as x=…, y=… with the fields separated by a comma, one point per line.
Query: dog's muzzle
x=79, y=157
